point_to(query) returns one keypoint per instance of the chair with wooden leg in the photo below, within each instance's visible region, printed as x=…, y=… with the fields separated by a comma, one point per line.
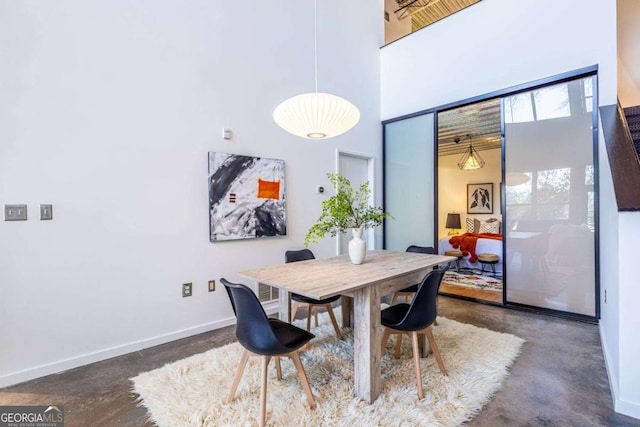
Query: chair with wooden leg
x=416, y=319
x=312, y=304
x=410, y=291
x=265, y=337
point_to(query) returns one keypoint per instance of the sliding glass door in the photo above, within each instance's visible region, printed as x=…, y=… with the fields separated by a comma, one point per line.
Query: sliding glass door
x=549, y=182
x=409, y=182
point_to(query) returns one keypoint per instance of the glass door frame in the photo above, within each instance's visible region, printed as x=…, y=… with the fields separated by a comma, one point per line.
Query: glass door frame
x=590, y=71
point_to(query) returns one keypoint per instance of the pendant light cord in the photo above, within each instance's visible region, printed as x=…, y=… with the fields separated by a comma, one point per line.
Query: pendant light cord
x=315, y=41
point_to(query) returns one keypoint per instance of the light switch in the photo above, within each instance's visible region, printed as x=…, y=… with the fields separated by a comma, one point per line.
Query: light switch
x=15, y=212
x=46, y=212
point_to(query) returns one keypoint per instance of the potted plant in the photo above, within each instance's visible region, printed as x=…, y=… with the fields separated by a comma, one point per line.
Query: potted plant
x=348, y=208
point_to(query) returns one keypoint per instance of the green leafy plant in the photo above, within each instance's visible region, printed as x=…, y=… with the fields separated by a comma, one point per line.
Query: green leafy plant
x=348, y=208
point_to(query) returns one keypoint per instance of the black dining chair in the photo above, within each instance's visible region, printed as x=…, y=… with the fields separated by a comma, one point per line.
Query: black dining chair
x=411, y=290
x=312, y=304
x=266, y=337
x=416, y=319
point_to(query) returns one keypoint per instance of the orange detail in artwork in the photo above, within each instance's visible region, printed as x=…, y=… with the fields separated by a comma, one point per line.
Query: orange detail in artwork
x=268, y=189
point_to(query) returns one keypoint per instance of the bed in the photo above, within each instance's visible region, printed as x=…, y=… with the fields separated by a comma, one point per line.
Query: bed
x=483, y=246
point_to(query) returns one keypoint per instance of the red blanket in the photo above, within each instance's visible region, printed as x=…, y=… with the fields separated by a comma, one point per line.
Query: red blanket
x=467, y=243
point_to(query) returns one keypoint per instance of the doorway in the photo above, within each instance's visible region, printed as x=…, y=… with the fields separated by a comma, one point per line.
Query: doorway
x=358, y=168
x=469, y=150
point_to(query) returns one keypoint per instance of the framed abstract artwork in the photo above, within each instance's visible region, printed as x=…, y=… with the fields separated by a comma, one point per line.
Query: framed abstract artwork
x=480, y=198
x=246, y=197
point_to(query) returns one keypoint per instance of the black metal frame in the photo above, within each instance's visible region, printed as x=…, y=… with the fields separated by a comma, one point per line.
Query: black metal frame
x=502, y=93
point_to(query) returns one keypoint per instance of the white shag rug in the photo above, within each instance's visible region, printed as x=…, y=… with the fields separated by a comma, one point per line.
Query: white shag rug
x=192, y=391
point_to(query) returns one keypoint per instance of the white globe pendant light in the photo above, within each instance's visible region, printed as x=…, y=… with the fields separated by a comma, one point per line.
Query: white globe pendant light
x=316, y=115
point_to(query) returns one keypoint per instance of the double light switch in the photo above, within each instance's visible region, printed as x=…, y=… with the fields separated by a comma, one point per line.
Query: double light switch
x=15, y=212
x=19, y=212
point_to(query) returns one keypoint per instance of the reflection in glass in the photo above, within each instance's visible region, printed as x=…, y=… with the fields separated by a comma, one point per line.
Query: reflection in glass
x=550, y=243
x=518, y=108
x=552, y=102
x=587, y=86
x=588, y=175
x=520, y=194
x=545, y=103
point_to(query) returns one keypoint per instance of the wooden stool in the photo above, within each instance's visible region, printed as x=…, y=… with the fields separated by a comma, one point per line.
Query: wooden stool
x=457, y=254
x=491, y=259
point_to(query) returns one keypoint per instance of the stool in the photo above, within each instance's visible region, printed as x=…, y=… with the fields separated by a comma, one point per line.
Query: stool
x=458, y=255
x=491, y=259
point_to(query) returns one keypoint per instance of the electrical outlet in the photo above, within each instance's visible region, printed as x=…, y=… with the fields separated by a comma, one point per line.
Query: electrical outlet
x=212, y=285
x=186, y=289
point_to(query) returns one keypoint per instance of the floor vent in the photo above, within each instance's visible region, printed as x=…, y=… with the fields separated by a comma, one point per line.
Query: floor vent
x=267, y=293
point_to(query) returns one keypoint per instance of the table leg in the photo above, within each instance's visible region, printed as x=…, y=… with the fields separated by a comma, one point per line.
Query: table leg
x=347, y=310
x=368, y=381
x=284, y=302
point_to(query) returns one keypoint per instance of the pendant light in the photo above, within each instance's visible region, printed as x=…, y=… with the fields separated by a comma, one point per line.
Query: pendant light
x=316, y=115
x=471, y=159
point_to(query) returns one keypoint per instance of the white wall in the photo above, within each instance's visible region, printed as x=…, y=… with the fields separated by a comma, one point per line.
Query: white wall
x=452, y=187
x=468, y=60
x=107, y=111
x=609, y=271
x=466, y=56
x=629, y=294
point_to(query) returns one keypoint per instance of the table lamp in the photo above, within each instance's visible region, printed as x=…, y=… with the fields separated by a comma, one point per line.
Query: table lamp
x=453, y=222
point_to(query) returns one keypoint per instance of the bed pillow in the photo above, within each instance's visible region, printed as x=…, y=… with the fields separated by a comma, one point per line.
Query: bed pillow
x=492, y=225
x=471, y=225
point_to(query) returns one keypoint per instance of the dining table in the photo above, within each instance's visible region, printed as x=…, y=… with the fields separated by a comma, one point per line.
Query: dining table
x=362, y=287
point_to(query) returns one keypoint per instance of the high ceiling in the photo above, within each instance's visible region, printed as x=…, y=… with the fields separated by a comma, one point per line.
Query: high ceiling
x=478, y=124
x=426, y=12
x=628, y=54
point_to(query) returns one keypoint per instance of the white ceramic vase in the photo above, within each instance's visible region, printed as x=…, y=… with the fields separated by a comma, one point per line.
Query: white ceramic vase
x=357, y=247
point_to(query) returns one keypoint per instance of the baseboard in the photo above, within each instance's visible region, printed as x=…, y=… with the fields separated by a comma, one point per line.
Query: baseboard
x=85, y=359
x=624, y=407
x=611, y=372
x=630, y=409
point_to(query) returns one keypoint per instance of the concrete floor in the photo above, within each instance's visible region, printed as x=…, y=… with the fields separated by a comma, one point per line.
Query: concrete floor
x=558, y=380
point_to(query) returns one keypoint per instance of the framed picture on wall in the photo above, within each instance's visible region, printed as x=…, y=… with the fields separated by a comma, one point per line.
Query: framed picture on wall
x=246, y=197
x=480, y=198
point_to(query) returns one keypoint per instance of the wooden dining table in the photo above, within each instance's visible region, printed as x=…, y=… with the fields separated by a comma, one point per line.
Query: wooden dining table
x=383, y=272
